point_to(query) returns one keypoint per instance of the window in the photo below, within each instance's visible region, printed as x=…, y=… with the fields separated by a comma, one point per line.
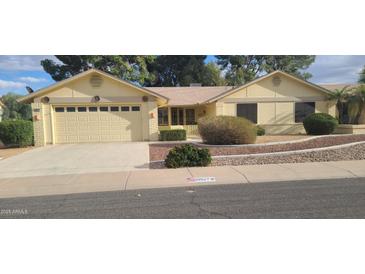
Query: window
x=181, y=116
x=114, y=108
x=93, y=109
x=302, y=110
x=103, y=108
x=59, y=109
x=135, y=108
x=163, y=118
x=248, y=111
x=81, y=109
x=174, y=116
x=190, y=116
x=124, y=108
x=345, y=119
x=177, y=116
x=71, y=109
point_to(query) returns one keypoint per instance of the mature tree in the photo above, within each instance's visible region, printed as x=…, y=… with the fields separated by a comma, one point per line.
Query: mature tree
x=15, y=110
x=240, y=69
x=128, y=67
x=177, y=70
x=293, y=64
x=212, y=75
x=362, y=76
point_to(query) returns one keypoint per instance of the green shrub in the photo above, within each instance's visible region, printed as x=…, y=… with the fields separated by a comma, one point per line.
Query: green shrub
x=226, y=130
x=173, y=135
x=320, y=124
x=16, y=133
x=260, y=131
x=187, y=156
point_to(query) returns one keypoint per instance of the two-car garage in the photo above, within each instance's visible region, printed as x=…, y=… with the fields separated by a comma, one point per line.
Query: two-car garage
x=94, y=106
x=104, y=123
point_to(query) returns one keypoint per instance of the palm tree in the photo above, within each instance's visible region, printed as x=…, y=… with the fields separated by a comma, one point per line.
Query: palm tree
x=356, y=105
x=340, y=96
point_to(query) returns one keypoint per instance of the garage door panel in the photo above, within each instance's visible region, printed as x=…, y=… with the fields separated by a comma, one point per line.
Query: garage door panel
x=83, y=118
x=104, y=118
x=94, y=138
x=75, y=127
x=84, y=127
x=93, y=117
x=71, y=118
x=62, y=139
x=72, y=138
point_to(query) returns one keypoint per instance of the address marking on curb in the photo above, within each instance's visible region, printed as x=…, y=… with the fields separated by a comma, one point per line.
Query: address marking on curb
x=202, y=179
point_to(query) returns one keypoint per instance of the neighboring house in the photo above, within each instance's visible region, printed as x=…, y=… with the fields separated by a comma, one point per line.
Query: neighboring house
x=2, y=106
x=333, y=87
x=94, y=106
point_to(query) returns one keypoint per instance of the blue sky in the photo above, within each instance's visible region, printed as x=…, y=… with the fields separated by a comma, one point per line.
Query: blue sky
x=18, y=71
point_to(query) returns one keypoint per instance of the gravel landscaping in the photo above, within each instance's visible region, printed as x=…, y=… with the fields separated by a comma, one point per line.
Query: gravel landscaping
x=355, y=152
x=159, y=151
x=351, y=152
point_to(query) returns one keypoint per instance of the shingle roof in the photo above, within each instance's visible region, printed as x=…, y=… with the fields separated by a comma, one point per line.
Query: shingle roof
x=181, y=96
x=332, y=87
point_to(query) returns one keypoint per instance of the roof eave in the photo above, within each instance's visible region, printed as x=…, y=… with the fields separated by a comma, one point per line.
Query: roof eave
x=234, y=89
x=29, y=97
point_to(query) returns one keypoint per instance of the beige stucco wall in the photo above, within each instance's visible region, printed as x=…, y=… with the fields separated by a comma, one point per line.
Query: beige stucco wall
x=288, y=87
x=81, y=93
x=350, y=129
x=276, y=103
x=210, y=109
x=38, y=124
x=82, y=88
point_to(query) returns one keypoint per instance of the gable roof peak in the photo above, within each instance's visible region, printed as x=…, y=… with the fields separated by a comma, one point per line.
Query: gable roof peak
x=236, y=88
x=44, y=90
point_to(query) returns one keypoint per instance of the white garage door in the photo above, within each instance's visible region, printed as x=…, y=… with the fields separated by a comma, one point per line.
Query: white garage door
x=80, y=124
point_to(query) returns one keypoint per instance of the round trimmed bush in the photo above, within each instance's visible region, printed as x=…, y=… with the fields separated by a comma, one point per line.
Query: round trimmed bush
x=320, y=124
x=226, y=130
x=187, y=156
x=16, y=133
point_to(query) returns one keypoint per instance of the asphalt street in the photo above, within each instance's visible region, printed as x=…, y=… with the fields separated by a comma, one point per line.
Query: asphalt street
x=335, y=198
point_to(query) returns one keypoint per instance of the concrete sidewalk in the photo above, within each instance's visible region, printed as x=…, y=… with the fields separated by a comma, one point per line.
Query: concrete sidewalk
x=158, y=178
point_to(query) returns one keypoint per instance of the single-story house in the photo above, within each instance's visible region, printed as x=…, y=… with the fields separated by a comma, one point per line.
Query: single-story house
x=95, y=106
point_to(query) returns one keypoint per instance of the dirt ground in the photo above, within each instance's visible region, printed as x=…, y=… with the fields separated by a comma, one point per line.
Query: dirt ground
x=8, y=152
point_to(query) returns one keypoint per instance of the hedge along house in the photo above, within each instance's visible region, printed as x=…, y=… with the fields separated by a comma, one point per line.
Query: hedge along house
x=94, y=106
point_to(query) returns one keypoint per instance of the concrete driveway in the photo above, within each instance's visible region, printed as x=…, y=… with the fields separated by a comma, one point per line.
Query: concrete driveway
x=77, y=159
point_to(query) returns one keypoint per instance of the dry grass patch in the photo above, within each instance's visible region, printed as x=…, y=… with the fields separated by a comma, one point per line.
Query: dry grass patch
x=8, y=152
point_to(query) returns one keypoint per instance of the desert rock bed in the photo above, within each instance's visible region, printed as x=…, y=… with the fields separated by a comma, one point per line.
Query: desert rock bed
x=159, y=151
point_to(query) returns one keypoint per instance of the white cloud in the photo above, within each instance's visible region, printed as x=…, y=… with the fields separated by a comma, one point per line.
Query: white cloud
x=337, y=68
x=32, y=79
x=23, y=62
x=11, y=84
